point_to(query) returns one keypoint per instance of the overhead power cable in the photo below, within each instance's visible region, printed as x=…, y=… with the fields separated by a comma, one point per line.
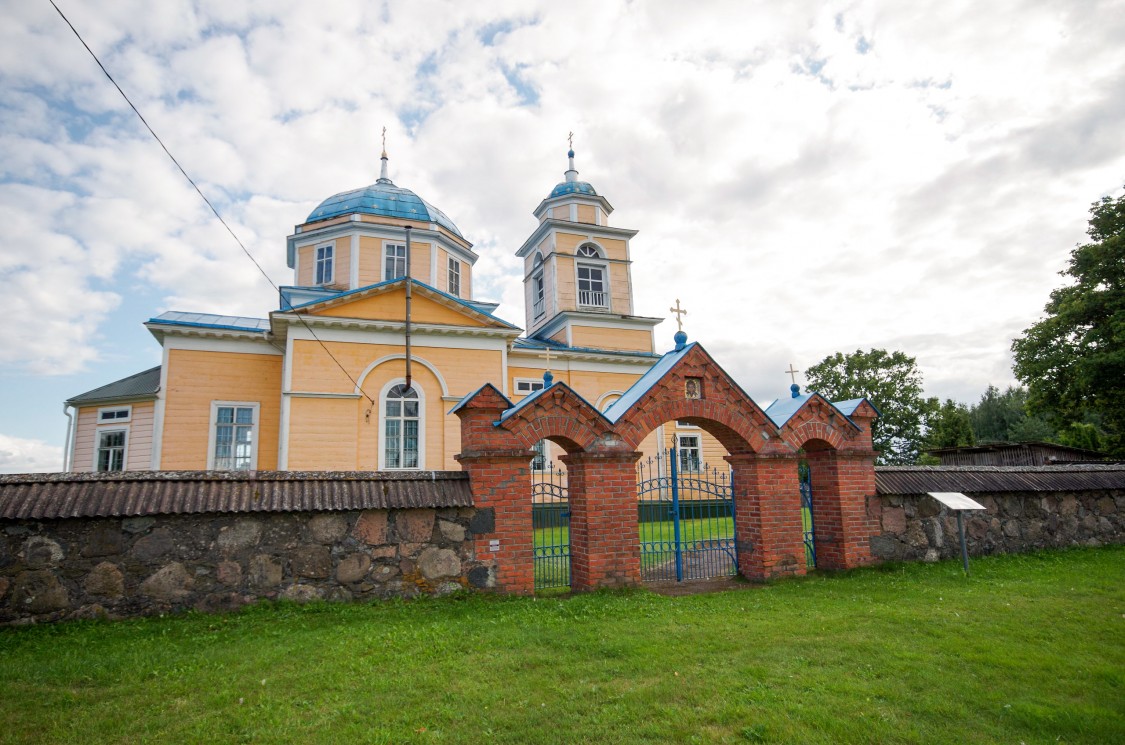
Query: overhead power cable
x=206, y=201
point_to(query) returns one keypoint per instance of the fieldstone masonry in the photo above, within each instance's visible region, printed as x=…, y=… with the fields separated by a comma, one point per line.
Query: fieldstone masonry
x=917, y=528
x=115, y=567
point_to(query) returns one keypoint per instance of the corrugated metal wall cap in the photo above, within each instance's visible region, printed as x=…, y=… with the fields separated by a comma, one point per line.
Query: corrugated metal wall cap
x=923, y=479
x=53, y=496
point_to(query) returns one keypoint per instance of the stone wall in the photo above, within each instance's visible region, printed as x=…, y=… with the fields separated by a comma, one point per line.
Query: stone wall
x=52, y=569
x=916, y=527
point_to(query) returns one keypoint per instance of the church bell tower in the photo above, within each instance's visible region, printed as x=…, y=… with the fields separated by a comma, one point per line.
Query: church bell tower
x=578, y=288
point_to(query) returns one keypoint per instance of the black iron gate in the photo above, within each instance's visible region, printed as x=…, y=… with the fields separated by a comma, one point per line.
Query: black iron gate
x=550, y=519
x=807, y=515
x=686, y=518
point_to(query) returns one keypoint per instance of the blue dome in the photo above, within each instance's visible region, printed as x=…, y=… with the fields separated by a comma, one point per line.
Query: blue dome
x=573, y=187
x=386, y=200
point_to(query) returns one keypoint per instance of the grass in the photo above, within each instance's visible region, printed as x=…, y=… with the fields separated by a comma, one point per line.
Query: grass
x=1028, y=649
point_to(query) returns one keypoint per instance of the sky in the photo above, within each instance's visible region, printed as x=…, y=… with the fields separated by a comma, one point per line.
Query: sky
x=806, y=178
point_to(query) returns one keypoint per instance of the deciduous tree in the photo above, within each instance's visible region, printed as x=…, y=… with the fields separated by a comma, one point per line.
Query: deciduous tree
x=1003, y=417
x=948, y=425
x=892, y=381
x=1073, y=360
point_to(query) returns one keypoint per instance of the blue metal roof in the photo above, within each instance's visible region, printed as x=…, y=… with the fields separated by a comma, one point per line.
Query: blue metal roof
x=782, y=409
x=848, y=407
x=647, y=381
x=210, y=320
x=535, y=395
x=572, y=187
x=385, y=199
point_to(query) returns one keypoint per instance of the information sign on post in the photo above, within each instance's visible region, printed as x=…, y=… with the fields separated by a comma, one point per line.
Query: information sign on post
x=958, y=502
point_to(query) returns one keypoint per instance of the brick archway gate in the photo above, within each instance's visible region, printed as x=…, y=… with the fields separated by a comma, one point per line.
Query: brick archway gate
x=497, y=441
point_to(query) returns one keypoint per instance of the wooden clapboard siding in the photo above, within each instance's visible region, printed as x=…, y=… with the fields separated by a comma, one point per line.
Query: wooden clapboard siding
x=195, y=379
x=635, y=340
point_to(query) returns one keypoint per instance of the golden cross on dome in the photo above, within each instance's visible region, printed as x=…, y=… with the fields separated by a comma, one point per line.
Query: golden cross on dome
x=384, y=142
x=792, y=373
x=680, y=313
x=548, y=358
x=570, y=139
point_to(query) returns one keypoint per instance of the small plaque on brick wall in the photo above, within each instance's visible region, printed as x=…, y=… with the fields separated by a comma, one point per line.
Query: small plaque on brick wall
x=693, y=388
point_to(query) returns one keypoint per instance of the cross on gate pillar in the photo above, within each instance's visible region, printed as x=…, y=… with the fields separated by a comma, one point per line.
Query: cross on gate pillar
x=604, y=544
x=767, y=515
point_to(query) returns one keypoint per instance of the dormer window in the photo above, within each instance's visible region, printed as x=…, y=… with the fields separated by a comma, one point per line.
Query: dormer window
x=324, y=264
x=591, y=279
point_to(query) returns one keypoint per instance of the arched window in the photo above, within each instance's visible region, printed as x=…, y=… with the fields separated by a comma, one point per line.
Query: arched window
x=592, y=290
x=402, y=428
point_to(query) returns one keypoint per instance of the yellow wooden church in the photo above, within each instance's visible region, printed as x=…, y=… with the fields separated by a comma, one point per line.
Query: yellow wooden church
x=380, y=277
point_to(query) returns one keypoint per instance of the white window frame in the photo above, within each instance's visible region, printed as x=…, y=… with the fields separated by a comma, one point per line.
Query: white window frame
x=255, y=433
x=109, y=430
x=685, y=425
x=117, y=419
x=325, y=261
x=597, y=262
x=698, y=448
x=387, y=246
x=383, y=425
x=541, y=462
x=527, y=386
x=453, y=279
x=538, y=288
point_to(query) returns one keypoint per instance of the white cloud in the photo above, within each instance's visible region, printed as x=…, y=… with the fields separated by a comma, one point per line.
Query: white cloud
x=19, y=455
x=809, y=179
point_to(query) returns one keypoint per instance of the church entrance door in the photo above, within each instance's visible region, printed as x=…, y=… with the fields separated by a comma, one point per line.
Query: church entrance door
x=686, y=518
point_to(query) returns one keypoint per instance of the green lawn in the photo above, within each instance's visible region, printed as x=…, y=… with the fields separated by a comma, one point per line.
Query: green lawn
x=1028, y=649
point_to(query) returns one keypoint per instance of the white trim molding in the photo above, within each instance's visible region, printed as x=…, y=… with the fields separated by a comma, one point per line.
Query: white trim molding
x=392, y=357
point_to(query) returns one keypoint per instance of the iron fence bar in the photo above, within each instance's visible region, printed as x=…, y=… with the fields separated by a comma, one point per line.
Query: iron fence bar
x=676, y=516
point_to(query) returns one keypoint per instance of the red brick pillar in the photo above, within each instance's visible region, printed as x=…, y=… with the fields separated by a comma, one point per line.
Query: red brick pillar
x=767, y=515
x=604, y=545
x=502, y=531
x=841, y=483
x=499, y=469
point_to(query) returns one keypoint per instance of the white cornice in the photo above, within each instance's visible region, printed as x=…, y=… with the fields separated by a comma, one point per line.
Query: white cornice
x=178, y=332
x=376, y=230
x=594, y=199
x=601, y=320
x=579, y=228
x=293, y=322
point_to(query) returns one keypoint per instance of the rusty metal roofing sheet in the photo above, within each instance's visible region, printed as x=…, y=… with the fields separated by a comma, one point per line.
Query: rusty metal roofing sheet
x=49, y=496
x=923, y=479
